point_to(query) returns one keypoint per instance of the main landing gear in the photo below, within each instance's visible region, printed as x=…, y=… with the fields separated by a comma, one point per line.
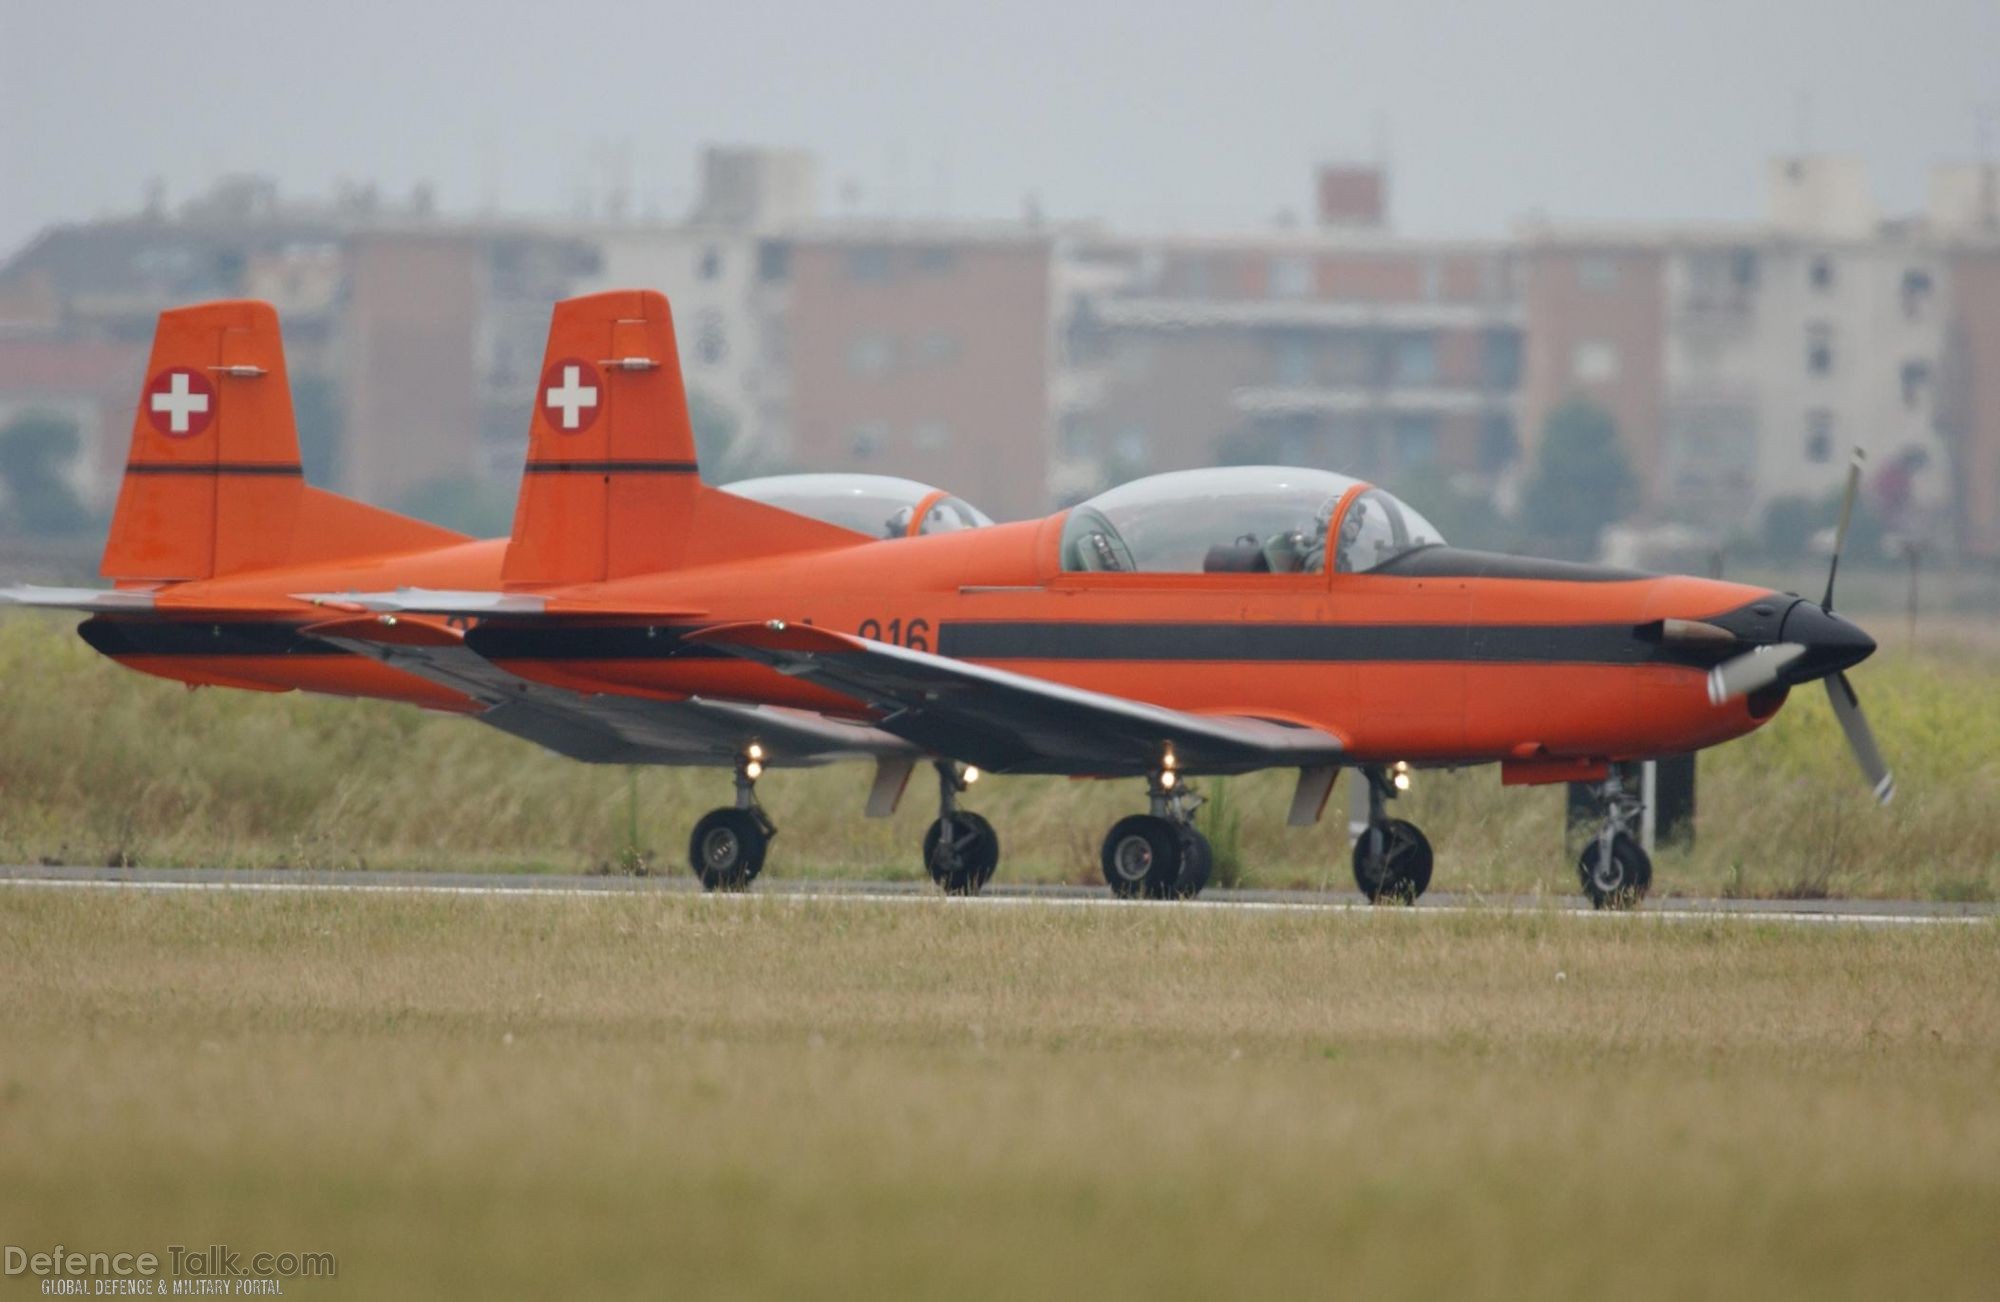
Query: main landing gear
x=727, y=848
x=1392, y=859
x=961, y=849
x=1159, y=855
x=1615, y=869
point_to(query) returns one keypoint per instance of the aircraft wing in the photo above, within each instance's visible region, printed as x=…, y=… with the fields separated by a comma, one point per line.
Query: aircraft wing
x=1014, y=723
x=606, y=729
x=94, y=600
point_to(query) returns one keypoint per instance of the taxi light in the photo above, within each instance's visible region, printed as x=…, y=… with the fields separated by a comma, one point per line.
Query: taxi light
x=1401, y=778
x=971, y=774
x=755, y=752
x=1167, y=780
x=753, y=770
x=1168, y=761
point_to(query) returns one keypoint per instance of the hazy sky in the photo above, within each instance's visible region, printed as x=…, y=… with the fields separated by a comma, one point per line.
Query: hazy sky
x=1152, y=114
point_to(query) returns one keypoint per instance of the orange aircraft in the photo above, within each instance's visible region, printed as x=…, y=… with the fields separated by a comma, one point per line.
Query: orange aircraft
x=215, y=529
x=1199, y=622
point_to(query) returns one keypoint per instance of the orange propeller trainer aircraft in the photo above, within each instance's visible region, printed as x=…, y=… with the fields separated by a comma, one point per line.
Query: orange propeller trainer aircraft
x=215, y=529
x=1199, y=622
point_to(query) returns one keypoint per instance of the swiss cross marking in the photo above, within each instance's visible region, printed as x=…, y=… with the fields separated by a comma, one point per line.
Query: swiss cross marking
x=180, y=402
x=570, y=393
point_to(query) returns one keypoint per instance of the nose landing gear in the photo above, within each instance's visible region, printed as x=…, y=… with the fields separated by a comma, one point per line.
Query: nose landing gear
x=727, y=847
x=1392, y=858
x=1159, y=855
x=961, y=849
x=1615, y=869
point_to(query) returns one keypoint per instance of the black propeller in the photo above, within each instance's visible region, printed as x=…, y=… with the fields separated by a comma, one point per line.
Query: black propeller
x=1816, y=644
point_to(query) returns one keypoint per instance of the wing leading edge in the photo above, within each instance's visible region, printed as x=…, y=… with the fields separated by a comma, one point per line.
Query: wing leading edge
x=1013, y=723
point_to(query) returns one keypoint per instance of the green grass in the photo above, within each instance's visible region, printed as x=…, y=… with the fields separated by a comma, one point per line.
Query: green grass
x=677, y=1096
x=100, y=765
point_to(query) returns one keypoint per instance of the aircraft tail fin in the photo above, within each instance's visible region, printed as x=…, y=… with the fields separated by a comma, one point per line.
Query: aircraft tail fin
x=611, y=487
x=213, y=484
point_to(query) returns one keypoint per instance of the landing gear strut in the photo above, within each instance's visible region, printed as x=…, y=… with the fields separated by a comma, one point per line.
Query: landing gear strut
x=961, y=849
x=727, y=848
x=1615, y=869
x=1159, y=855
x=1392, y=859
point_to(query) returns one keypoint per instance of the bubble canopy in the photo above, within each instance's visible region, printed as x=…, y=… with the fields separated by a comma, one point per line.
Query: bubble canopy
x=881, y=506
x=1241, y=520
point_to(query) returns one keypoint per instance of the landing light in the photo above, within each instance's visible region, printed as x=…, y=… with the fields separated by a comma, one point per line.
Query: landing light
x=1167, y=780
x=1168, y=761
x=755, y=752
x=753, y=770
x=1399, y=776
x=971, y=774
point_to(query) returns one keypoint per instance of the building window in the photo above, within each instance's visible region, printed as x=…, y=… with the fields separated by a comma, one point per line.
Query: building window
x=931, y=436
x=868, y=264
x=937, y=260
x=1743, y=268
x=1819, y=436
x=1295, y=361
x=1820, y=273
x=1415, y=440
x=709, y=266
x=1291, y=277
x=866, y=439
x=1819, y=348
x=871, y=354
x=1916, y=378
x=711, y=343
x=1500, y=359
x=935, y=348
x=1594, y=361
x=1597, y=272
x=1430, y=280
x=774, y=261
x=1916, y=292
x=1416, y=359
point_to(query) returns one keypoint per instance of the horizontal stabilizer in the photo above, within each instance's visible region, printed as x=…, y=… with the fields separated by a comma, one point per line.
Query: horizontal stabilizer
x=95, y=600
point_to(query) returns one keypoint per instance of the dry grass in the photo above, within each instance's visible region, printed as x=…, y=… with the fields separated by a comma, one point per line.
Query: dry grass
x=672, y=1096
x=99, y=765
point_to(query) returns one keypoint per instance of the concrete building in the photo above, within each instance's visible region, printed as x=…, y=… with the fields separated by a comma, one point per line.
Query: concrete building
x=924, y=350
x=1741, y=363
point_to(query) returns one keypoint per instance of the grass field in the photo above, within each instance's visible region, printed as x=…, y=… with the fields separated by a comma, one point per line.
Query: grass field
x=101, y=765
x=685, y=1097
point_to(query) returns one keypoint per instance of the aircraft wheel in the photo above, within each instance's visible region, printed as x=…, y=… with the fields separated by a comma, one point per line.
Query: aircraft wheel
x=727, y=849
x=1197, y=862
x=1621, y=883
x=1142, y=858
x=1392, y=863
x=965, y=864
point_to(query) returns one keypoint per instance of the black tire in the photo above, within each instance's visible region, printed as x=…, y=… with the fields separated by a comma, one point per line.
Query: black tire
x=1623, y=882
x=1393, y=865
x=965, y=864
x=1142, y=858
x=1197, y=862
x=727, y=849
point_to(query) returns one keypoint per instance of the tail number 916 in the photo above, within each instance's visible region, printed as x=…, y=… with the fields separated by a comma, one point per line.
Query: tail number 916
x=914, y=634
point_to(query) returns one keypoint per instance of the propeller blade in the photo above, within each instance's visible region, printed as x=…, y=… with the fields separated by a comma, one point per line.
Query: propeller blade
x=1847, y=708
x=1840, y=530
x=1754, y=669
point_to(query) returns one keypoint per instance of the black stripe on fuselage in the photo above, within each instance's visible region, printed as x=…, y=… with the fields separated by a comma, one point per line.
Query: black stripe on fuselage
x=215, y=468
x=636, y=467
x=1064, y=640
x=163, y=637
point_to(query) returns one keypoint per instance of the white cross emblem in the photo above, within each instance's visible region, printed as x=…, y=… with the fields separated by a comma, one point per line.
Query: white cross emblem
x=180, y=403
x=570, y=397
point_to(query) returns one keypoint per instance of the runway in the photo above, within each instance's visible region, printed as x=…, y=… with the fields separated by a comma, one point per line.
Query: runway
x=526, y=885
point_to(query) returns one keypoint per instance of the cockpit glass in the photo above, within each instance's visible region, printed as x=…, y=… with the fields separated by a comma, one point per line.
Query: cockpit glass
x=881, y=506
x=1236, y=519
x=1378, y=528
